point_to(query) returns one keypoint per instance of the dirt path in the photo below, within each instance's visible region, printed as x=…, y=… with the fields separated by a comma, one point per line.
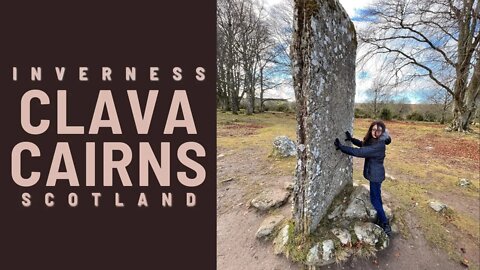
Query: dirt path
x=245, y=172
x=241, y=175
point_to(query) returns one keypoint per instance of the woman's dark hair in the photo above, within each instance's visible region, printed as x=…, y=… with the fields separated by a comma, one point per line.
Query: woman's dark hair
x=368, y=136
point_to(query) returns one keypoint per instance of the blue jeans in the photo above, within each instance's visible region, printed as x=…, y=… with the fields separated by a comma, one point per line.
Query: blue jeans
x=376, y=200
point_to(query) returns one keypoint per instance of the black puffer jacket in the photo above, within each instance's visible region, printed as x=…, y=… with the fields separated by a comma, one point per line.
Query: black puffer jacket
x=374, y=153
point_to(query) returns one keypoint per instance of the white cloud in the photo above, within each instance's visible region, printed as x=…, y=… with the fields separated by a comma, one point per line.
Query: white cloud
x=271, y=2
x=283, y=91
x=351, y=6
x=372, y=68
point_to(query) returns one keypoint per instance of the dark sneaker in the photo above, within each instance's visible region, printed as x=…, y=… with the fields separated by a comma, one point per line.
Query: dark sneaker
x=387, y=229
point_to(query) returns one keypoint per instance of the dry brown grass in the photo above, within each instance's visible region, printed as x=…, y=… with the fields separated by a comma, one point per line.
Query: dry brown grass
x=426, y=161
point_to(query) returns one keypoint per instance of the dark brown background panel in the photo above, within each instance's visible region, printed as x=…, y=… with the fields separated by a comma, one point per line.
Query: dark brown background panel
x=114, y=34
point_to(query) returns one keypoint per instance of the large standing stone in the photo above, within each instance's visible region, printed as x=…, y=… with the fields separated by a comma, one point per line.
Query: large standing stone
x=323, y=50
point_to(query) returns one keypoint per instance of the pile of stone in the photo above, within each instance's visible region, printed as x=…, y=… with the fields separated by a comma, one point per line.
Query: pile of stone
x=347, y=230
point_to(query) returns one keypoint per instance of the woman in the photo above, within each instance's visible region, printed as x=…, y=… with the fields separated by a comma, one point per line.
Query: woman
x=372, y=148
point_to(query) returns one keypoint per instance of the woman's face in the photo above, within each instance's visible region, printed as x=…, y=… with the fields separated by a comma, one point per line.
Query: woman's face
x=376, y=131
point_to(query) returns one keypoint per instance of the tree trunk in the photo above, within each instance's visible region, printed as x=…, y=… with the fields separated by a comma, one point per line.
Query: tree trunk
x=444, y=110
x=460, y=116
x=226, y=104
x=233, y=94
x=262, y=106
x=463, y=114
x=250, y=103
x=466, y=99
x=250, y=91
x=234, y=104
x=252, y=100
x=466, y=93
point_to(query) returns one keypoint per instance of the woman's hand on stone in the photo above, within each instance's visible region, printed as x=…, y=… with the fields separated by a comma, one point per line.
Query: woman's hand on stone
x=337, y=143
x=349, y=136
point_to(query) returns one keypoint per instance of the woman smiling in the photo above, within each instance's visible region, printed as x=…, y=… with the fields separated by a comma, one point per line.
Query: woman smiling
x=372, y=148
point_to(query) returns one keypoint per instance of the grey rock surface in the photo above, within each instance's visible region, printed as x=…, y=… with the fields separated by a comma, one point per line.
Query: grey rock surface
x=359, y=206
x=437, y=206
x=343, y=235
x=288, y=186
x=371, y=234
x=328, y=248
x=284, y=147
x=321, y=254
x=268, y=225
x=388, y=212
x=313, y=257
x=464, y=182
x=336, y=213
x=269, y=199
x=280, y=242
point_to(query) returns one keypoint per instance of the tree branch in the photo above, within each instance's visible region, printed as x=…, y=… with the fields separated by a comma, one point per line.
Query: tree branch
x=426, y=40
x=415, y=62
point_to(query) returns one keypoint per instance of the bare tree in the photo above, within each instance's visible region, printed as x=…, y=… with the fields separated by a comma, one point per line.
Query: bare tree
x=228, y=68
x=434, y=39
x=378, y=94
x=281, y=25
x=268, y=77
x=223, y=100
x=443, y=99
x=248, y=44
x=243, y=53
x=402, y=107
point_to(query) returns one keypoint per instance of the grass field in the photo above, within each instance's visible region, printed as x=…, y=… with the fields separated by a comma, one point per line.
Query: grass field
x=425, y=162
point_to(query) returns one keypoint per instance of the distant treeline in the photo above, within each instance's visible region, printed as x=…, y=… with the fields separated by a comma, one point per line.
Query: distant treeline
x=399, y=111
x=387, y=111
